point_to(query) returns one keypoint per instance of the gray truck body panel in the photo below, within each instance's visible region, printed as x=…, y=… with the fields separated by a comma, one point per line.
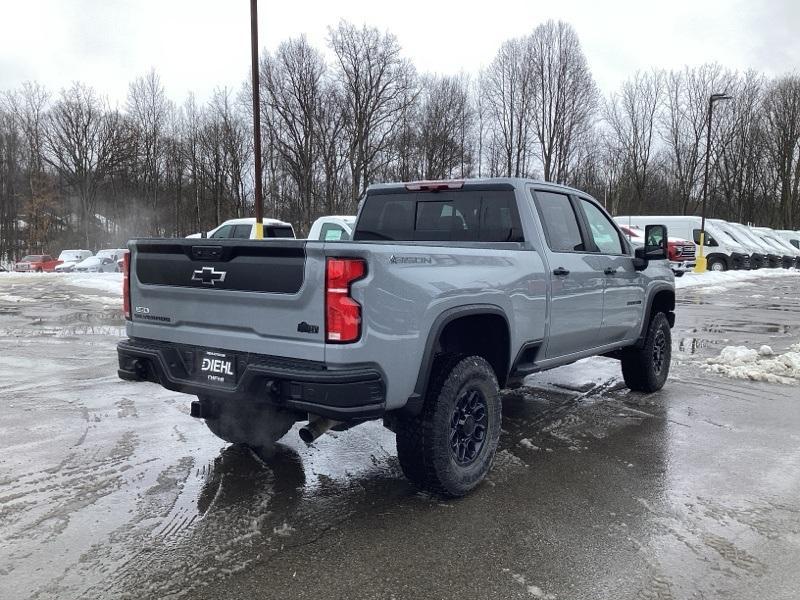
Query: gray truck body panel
x=601, y=305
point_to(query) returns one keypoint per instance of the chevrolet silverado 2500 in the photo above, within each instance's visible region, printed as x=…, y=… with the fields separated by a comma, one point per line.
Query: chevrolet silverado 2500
x=447, y=292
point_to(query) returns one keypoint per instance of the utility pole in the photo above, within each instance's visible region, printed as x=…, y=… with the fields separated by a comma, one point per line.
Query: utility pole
x=701, y=262
x=256, y=120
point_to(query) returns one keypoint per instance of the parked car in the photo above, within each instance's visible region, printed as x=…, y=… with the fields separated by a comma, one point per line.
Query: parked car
x=38, y=263
x=721, y=252
x=679, y=251
x=105, y=261
x=70, y=258
x=332, y=228
x=316, y=335
x=245, y=229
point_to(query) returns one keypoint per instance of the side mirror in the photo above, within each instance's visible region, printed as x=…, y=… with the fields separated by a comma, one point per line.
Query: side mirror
x=655, y=246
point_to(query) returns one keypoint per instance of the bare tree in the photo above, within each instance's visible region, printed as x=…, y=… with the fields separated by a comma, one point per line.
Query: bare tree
x=631, y=115
x=148, y=109
x=375, y=80
x=84, y=141
x=507, y=89
x=292, y=80
x=782, y=120
x=565, y=96
x=445, y=120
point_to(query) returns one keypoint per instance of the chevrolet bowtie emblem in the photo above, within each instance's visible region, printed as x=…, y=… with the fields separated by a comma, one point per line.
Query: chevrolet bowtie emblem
x=209, y=276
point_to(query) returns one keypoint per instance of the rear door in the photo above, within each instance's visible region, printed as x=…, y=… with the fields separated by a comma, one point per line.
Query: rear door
x=259, y=296
x=623, y=289
x=576, y=301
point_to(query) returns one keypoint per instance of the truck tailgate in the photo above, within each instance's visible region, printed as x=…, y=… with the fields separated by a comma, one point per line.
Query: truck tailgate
x=264, y=297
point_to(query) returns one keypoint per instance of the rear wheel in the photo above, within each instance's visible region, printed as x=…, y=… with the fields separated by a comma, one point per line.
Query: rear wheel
x=258, y=425
x=717, y=264
x=646, y=369
x=449, y=447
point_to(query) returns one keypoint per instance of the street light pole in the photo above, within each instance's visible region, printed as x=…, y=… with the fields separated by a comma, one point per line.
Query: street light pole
x=259, y=233
x=701, y=262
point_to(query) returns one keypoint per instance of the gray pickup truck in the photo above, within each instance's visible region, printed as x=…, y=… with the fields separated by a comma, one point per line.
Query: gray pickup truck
x=448, y=292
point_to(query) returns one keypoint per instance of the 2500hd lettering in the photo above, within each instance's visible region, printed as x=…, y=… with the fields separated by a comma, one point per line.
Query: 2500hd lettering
x=447, y=292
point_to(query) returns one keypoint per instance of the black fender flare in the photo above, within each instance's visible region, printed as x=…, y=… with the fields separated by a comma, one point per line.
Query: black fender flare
x=414, y=403
x=649, y=309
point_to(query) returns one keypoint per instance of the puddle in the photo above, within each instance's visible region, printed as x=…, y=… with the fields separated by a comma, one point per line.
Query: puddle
x=694, y=345
x=746, y=327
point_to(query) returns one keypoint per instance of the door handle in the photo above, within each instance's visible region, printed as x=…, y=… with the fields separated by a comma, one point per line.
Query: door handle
x=560, y=271
x=609, y=271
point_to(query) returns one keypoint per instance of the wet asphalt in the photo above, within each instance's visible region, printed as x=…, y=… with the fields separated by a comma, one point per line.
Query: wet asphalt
x=108, y=489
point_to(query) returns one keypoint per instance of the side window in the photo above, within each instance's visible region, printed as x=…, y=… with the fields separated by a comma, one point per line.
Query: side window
x=559, y=222
x=223, y=232
x=605, y=235
x=331, y=232
x=710, y=241
x=242, y=232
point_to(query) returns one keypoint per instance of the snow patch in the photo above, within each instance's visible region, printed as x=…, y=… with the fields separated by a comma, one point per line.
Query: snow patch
x=104, y=282
x=740, y=362
x=719, y=279
x=526, y=443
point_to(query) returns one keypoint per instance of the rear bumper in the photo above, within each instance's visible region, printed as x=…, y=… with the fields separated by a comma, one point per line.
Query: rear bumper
x=355, y=392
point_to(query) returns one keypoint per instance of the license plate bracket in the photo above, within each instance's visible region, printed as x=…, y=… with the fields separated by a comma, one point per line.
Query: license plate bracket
x=216, y=367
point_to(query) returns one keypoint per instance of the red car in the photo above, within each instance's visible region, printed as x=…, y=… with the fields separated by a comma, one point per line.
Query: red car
x=37, y=263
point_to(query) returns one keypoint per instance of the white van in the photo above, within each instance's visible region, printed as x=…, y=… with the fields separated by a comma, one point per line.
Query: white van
x=332, y=228
x=793, y=237
x=758, y=252
x=245, y=229
x=771, y=258
x=791, y=255
x=720, y=250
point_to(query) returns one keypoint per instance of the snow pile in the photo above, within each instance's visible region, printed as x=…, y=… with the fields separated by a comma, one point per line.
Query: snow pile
x=105, y=282
x=720, y=278
x=740, y=362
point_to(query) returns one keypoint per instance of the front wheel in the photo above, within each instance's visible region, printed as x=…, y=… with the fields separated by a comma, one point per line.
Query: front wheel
x=716, y=264
x=449, y=447
x=646, y=369
x=258, y=425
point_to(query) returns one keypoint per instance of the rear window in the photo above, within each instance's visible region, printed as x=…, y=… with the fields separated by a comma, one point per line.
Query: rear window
x=462, y=215
x=278, y=231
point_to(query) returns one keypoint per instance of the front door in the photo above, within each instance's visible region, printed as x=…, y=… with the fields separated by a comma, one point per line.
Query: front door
x=623, y=292
x=576, y=299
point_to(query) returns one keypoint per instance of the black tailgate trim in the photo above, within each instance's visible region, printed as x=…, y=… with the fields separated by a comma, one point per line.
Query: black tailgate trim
x=276, y=267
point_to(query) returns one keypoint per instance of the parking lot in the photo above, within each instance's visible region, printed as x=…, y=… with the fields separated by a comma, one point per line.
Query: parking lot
x=108, y=489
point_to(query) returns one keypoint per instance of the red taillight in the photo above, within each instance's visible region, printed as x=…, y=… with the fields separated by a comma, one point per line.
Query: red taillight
x=342, y=313
x=126, y=284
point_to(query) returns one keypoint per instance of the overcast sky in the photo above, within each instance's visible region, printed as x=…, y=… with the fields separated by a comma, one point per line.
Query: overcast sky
x=196, y=45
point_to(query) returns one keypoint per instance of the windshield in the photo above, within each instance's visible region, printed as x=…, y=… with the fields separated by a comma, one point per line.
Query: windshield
x=33, y=258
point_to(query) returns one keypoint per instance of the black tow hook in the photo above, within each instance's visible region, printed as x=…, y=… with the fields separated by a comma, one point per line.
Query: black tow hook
x=140, y=368
x=196, y=409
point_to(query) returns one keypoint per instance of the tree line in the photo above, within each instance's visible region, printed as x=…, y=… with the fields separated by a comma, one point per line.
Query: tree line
x=76, y=171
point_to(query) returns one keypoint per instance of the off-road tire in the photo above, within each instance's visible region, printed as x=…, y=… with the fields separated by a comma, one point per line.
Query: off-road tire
x=424, y=441
x=646, y=368
x=258, y=425
x=717, y=264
